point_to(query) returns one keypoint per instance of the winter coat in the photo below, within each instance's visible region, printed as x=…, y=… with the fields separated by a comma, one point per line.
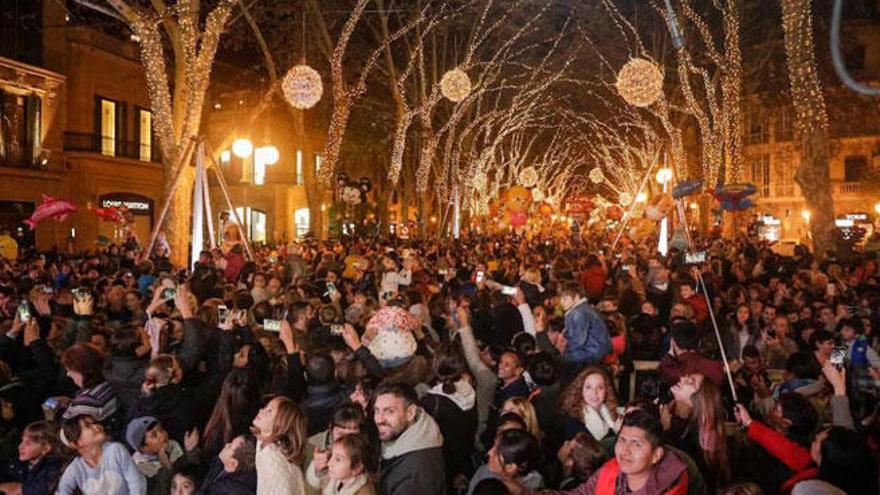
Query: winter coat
x=669, y=478
x=126, y=375
x=220, y=482
x=275, y=474
x=586, y=335
x=174, y=406
x=234, y=264
x=39, y=479
x=456, y=415
x=794, y=456
x=319, y=404
x=412, y=464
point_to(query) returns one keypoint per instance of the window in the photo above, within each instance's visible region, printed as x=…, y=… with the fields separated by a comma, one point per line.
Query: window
x=20, y=118
x=757, y=126
x=108, y=127
x=783, y=177
x=257, y=225
x=299, y=168
x=301, y=222
x=854, y=167
x=145, y=135
x=226, y=157
x=760, y=174
x=784, y=126
x=319, y=160
x=259, y=170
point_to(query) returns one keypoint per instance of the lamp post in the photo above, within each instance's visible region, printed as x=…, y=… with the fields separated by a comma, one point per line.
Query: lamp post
x=664, y=175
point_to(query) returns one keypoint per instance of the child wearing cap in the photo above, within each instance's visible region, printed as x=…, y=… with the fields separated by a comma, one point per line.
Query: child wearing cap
x=156, y=455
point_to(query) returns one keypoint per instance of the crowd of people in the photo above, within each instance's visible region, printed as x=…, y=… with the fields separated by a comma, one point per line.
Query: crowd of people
x=484, y=365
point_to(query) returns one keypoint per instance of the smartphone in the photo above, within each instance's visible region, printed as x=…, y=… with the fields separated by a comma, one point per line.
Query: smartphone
x=508, y=290
x=272, y=325
x=222, y=312
x=331, y=287
x=443, y=272
x=336, y=329
x=837, y=356
x=51, y=404
x=24, y=312
x=831, y=290
x=694, y=257
x=48, y=290
x=79, y=294
x=625, y=268
x=170, y=293
x=481, y=275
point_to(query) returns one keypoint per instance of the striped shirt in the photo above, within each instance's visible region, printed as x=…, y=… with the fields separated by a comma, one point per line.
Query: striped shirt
x=99, y=402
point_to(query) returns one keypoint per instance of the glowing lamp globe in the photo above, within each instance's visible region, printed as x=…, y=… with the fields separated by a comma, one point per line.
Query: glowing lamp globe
x=596, y=175
x=537, y=195
x=664, y=175
x=625, y=199
x=242, y=147
x=455, y=85
x=268, y=154
x=528, y=177
x=640, y=82
x=302, y=87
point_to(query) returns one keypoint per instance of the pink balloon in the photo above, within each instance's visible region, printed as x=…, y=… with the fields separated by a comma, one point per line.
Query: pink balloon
x=518, y=219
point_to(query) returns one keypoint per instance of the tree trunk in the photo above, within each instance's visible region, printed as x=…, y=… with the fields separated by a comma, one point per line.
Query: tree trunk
x=177, y=224
x=815, y=182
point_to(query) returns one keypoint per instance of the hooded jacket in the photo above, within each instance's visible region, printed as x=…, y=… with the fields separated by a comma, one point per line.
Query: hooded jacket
x=413, y=462
x=456, y=416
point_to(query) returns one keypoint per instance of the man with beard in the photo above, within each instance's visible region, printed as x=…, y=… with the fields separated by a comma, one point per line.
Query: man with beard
x=412, y=445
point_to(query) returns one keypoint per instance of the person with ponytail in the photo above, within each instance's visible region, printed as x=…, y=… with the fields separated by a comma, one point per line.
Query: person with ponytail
x=452, y=404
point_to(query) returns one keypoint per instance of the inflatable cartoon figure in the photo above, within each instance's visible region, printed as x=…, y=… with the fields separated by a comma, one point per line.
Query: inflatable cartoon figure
x=516, y=201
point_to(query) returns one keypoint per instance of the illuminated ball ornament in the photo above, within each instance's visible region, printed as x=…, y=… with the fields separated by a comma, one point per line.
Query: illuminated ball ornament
x=528, y=177
x=455, y=85
x=537, y=195
x=640, y=82
x=625, y=199
x=242, y=147
x=302, y=87
x=596, y=175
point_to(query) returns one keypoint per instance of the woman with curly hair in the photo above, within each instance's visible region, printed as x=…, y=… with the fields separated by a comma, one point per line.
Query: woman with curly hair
x=590, y=405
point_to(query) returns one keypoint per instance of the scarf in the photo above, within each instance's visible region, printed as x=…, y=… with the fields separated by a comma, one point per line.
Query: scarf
x=334, y=487
x=599, y=422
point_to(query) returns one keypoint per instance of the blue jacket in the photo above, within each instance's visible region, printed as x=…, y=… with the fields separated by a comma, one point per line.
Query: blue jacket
x=586, y=335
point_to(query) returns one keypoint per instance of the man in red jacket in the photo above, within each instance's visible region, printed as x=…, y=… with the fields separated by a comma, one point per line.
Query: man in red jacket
x=688, y=292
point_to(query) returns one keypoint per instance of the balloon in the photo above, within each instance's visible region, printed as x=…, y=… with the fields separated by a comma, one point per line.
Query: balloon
x=517, y=199
x=517, y=219
x=653, y=213
x=545, y=210
x=614, y=213
x=342, y=179
x=365, y=184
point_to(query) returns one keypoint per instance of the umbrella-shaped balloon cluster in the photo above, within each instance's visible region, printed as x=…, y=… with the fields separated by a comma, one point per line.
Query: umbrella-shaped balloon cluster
x=735, y=197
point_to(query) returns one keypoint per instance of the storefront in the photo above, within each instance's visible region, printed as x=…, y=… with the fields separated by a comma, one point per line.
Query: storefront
x=141, y=209
x=12, y=216
x=769, y=228
x=856, y=225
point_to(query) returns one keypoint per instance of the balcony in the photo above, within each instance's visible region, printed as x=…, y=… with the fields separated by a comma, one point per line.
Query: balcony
x=847, y=188
x=92, y=143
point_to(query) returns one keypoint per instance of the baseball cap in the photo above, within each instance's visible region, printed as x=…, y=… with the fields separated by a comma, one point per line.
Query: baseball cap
x=137, y=430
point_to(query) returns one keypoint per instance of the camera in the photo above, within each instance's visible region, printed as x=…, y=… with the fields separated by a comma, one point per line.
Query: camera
x=272, y=325
x=336, y=329
x=508, y=291
x=694, y=257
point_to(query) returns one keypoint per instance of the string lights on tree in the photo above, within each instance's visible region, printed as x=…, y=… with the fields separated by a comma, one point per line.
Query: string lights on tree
x=806, y=89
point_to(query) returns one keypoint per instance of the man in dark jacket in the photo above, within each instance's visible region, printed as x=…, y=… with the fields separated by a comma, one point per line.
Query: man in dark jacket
x=233, y=472
x=323, y=394
x=412, y=445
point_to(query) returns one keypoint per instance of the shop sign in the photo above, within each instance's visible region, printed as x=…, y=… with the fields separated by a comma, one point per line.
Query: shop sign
x=770, y=220
x=136, y=204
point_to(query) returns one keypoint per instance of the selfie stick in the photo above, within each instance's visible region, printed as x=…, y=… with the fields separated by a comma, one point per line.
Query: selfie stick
x=711, y=312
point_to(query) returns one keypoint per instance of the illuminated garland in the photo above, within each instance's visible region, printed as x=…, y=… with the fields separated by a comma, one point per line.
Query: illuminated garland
x=640, y=82
x=806, y=90
x=302, y=87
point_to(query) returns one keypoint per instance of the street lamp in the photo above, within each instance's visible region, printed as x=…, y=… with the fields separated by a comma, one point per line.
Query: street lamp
x=242, y=147
x=806, y=214
x=877, y=207
x=664, y=175
x=641, y=197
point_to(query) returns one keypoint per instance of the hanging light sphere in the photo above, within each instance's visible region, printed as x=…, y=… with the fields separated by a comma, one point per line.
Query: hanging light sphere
x=537, y=195
x=302, y=87
x=528, y=177
x=455, y=85
x=640, y=82
x=596, y=175
x=242, y=147
x=625, y=199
